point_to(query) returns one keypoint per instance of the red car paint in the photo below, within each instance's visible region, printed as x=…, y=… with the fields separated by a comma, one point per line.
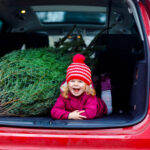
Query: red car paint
x=134, y=137
x=146, y=19
x=147, y=5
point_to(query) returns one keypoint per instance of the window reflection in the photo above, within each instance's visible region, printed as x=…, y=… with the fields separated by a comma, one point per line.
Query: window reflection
x=72, y=17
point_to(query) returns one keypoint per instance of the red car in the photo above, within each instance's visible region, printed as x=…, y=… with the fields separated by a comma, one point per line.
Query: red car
x=123, y=27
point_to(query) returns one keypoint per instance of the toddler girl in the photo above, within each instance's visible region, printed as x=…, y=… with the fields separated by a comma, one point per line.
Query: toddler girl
x=78, y=99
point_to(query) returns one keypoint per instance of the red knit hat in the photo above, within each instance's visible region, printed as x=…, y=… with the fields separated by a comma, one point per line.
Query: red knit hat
x=79, y=70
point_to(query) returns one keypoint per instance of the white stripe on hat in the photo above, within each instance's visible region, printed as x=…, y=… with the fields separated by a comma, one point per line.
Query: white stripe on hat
x=79, y=72
x=81, y=66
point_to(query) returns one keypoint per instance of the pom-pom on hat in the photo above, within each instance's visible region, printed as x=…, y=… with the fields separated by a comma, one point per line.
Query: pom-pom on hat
x=79, y=70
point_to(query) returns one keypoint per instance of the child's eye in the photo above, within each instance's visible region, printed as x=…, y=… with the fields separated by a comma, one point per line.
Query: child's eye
x=80, y=81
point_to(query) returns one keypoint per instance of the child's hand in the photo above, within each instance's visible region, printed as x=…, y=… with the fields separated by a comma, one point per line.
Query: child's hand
x=75, y=115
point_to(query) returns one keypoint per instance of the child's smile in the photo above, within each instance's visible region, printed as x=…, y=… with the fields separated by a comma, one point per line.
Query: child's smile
x=76, y=87
x=76, y=90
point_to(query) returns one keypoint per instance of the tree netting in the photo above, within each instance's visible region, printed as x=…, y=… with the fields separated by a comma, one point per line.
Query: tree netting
x=30, y=80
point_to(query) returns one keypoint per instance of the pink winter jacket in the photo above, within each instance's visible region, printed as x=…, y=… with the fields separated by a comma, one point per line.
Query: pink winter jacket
x=93, y=106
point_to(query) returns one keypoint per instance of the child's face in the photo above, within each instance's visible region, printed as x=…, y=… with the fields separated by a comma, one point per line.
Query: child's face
x=76, y=87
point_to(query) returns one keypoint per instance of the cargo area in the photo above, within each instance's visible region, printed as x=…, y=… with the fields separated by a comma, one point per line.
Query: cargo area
x=116, y=47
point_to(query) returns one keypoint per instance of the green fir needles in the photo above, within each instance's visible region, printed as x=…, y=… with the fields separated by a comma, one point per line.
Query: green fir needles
x=30, y=80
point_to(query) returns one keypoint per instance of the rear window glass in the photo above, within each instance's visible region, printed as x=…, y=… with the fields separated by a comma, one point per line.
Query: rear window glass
x=72, y=17
x=1, y=24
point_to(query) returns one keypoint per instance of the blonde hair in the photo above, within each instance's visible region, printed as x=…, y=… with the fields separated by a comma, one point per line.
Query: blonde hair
x=65, y=90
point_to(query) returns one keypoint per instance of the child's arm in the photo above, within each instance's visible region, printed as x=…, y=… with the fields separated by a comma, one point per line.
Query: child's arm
x=58, y=111
x=94, y=107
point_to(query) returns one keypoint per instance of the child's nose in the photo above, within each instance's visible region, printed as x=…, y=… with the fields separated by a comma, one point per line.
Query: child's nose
x=76, y=82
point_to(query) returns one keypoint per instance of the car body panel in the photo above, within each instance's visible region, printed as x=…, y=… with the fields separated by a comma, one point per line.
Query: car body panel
x=146, y=20
x=147, y=6
x=135, y=137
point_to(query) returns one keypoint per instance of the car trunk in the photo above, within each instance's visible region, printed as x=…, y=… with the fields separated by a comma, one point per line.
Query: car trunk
x=126, y=63
x=124, y=58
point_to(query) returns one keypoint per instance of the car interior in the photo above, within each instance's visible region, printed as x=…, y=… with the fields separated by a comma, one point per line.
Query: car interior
x=115, y=25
